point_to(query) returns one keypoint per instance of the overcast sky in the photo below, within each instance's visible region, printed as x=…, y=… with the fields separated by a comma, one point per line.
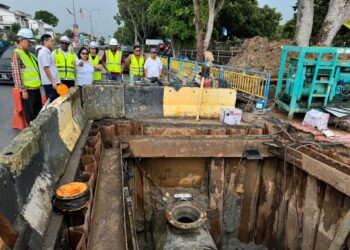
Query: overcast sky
x=103, y=22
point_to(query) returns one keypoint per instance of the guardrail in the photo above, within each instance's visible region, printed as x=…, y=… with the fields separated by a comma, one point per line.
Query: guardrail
x=249, y=83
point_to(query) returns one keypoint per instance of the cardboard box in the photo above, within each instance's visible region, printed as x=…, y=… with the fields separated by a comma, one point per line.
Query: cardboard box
x=231, y=116
x=316, y=119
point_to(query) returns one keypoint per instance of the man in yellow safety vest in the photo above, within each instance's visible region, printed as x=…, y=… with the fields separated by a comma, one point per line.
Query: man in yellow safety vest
x=65, y=61
x=26, y=75
x=94, y=58
x=113, y=61
x=136, y=62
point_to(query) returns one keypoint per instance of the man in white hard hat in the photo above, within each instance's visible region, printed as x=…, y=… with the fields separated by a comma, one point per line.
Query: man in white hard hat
x=26, y=75
x=65, y=61
x=113, y=61
x=94, y=58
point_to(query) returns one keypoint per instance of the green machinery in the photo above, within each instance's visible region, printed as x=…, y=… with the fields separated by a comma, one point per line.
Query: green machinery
x=315, y=78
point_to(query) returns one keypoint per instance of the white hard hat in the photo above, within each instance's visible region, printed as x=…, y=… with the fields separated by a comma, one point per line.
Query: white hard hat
x=93, y=44
x=64, y=39
x=113, y=41
x=26, y=33
x=38, y=47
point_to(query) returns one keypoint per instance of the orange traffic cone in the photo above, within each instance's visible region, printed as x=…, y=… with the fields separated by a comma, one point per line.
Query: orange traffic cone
x=19, y=121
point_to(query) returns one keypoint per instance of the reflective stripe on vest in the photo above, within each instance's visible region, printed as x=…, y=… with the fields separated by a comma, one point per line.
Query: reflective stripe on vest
x=113, y=62
x=65, y=65
x=30, y=74
x=136, y=65
x=97, y=74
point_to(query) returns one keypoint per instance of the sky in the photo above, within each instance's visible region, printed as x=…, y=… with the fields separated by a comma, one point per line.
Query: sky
x=103, y=22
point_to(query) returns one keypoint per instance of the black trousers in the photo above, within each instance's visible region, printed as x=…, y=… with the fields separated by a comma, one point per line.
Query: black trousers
x=50, y=92
x=69, y=83
x=32, y=105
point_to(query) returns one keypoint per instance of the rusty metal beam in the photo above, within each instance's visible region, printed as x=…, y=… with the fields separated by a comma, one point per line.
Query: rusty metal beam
x=332, y=173
x=197, y=146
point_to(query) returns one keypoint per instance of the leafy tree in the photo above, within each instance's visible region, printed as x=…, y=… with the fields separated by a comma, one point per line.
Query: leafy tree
x=244, y=19
x=68, y=33
x=102, y=40
x=124, y=35
x=47, y=17
x=133, y=13
x=179, y=25
x=14, y=30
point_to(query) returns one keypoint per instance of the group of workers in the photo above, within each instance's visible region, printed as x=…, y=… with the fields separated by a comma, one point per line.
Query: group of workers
x=53, y=67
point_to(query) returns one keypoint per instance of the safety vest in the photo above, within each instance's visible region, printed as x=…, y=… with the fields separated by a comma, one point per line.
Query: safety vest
x=30, y=74
x=113, y=62
x=65, y=65
x=97, y=74
x=136, y=65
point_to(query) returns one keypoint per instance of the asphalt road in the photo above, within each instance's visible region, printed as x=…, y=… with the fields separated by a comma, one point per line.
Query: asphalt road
x=7, y=133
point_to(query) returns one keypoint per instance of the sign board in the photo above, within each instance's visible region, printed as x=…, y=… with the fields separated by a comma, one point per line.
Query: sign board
x=154, y=42
x=76, y=35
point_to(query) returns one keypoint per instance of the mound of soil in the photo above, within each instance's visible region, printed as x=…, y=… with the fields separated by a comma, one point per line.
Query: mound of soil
x=258, y=52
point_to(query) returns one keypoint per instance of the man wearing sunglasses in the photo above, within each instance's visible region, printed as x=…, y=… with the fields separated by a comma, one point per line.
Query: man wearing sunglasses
x=65, y=61
x=136, y=62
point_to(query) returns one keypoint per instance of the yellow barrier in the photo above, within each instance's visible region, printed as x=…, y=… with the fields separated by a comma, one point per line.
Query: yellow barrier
x=188, y=65
x=242, y=82
x=175, y=65
x=164, y=61
x=184, y=102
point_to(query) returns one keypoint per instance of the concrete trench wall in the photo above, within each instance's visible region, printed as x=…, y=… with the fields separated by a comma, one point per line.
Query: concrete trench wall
x=32, y=164
x=258, y=202
x=270, y=203
x=34, y=161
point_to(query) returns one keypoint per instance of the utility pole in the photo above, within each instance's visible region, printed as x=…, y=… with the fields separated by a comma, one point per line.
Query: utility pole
x=75, y=19
x=90, y=15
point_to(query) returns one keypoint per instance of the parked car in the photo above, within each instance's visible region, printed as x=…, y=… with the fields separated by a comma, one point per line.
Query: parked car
x=5, y=65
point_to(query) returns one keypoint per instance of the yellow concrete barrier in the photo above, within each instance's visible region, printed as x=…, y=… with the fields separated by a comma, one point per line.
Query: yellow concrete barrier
x=68, y=129
x=184, y=102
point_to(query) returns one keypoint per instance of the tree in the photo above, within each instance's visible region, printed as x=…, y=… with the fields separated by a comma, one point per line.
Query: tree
x=203, y=39
x=68, y=33
x=46, y=17
x=338, y=12
x=133, y=13
x=178, y=26
x=327, y=24
x=102, y=40
x=124, y=35
x=14, y=30
x=304, y=22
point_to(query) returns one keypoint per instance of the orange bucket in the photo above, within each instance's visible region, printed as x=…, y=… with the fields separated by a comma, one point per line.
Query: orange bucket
x=71, y=190
x=62, y=89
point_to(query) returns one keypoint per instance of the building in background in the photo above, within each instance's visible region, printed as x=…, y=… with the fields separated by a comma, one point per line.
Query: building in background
x=25, y=20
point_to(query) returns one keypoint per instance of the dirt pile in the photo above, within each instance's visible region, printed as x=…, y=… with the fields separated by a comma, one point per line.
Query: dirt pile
x=258, y=52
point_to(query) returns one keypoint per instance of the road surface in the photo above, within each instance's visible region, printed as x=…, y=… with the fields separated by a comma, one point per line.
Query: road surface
x=7, y=133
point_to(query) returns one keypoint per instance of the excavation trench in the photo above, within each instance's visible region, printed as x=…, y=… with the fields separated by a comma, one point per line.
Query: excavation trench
x=161, y=184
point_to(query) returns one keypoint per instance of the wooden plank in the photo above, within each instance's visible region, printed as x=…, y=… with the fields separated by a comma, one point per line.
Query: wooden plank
x=329, y=217
x=216, y=199
x=266, y=215
x=199, y=146
x=8, y=232
x=284, y=191
x=249, y=202
x=294, y=210
x=235, y=176
x=311, y=212
x=108, y=223
x=319, y=169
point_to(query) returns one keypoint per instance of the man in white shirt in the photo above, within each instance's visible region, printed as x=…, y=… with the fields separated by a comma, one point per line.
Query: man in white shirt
x=48, y=70
x=154, y=68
